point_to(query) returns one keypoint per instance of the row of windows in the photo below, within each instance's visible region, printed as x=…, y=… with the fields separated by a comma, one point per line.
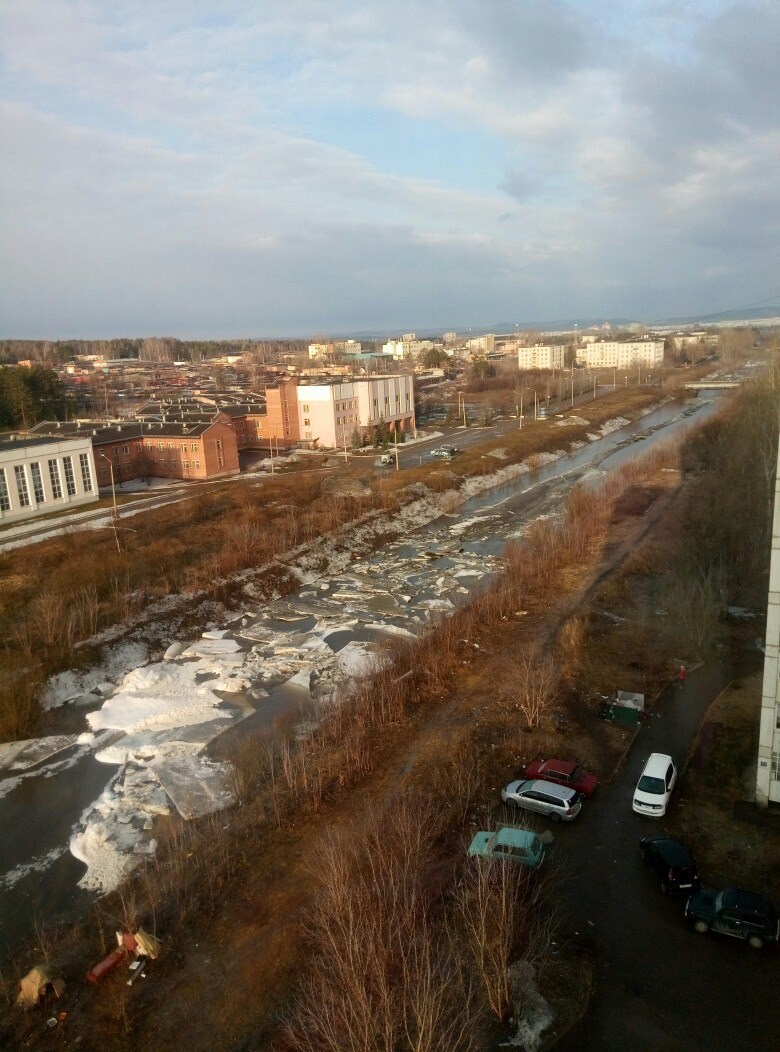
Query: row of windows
x=55, y=478
x=183, y=447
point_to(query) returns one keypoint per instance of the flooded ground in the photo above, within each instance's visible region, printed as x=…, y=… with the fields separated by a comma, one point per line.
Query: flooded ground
x=99, y=796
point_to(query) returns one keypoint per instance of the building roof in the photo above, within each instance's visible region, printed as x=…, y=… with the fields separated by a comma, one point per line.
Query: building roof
x=8, y=444
x=123, y=431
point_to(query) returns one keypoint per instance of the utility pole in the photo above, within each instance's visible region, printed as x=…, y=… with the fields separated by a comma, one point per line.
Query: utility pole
x=522, y=392
x=572, y=384
x=395, y=439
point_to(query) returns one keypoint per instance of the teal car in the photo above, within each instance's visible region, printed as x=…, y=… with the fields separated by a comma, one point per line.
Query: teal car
x=510, y=844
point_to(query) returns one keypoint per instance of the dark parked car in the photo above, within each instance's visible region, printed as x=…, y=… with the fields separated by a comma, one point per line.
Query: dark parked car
x=742, y=914
x=563, y=773
x=672, y=862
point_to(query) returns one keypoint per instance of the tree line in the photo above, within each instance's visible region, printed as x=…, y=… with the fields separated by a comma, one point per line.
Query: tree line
x=30, y=395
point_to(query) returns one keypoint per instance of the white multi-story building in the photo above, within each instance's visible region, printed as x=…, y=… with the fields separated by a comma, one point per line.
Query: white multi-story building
x=540, y=356
x=482, y=344
x=450, y=338
x=621, y=354
x=320, y=350
x=348, y=347
x=768, y=770
x=406, y=348
x=41, y=475
x=329, y=414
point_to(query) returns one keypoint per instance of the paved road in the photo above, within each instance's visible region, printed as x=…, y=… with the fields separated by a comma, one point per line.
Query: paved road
x=658, y=986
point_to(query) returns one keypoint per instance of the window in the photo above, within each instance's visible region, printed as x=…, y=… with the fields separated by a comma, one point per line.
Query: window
x=70, y=479
x=54, y=475
x=307, y=434
x=194, y=447
x=185, y=465
x=125, y=450
x=21, y=486
x=776, y=766
x=139, y=447
x=306, y=409
x=170, y=445
x=183, y=447
x=306, y=422
x=86, y=474
x=160, y=447
x=5, y=501
x=196, y=465
x=37, y=481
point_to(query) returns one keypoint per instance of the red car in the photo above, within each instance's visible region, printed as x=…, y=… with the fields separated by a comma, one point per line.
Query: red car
x=570, y=774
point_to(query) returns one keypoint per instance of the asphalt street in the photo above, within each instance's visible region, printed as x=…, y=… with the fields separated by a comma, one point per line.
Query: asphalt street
x=657, y=985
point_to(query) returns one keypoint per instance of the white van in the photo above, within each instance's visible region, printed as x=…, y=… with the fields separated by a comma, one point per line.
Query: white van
x=651, y=796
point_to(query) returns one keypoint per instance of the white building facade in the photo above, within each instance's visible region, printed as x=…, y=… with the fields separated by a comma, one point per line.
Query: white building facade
x=621, y=354
x=482, y=344
x=768, y=770
x=406, y=348
x=540, y=356
x=40, y=475
x=329, y=414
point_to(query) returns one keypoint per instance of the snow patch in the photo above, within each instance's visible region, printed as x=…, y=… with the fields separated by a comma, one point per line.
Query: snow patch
x=66, y=686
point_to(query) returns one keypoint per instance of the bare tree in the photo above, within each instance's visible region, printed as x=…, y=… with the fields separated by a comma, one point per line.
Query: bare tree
x=531, y=680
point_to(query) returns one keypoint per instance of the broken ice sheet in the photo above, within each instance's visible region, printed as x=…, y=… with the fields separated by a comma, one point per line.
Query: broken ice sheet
x=196, y=786
x=21, y=755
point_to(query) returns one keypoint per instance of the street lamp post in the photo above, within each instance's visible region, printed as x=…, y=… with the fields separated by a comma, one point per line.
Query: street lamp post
x=115, y=515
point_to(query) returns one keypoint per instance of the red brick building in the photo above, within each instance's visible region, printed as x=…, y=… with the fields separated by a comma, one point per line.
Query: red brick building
x=156, y=450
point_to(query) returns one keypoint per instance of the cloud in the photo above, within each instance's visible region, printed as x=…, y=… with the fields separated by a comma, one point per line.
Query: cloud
x=193, y=167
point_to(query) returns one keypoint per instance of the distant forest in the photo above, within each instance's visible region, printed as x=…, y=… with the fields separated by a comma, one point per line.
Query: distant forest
x=148, y=349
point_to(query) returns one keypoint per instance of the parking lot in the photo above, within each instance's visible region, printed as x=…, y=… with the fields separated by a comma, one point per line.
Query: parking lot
x=657, y=984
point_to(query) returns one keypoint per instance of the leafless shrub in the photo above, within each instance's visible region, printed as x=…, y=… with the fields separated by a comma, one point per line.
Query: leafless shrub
x=387, y=975
x=694, y=603
x=531, y=680
x=502, y=909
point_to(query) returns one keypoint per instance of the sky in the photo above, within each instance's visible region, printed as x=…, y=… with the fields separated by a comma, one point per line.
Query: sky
x=321, y=167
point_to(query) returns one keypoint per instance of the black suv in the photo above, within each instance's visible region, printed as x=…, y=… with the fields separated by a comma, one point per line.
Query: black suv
x=671, y=861
x=742, y=914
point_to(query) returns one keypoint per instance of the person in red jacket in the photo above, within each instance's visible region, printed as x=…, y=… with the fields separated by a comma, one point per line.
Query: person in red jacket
x=681, y=676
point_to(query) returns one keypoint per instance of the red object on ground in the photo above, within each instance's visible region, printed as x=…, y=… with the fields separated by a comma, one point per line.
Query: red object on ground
x=108, y=964
x=563, y=773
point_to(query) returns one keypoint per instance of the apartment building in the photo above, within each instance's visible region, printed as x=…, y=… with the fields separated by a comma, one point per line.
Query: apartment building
x=768, y=767
x=540, y=356
x=39, y=475
x=621, y=354
x=327, y=414
x=482, y=344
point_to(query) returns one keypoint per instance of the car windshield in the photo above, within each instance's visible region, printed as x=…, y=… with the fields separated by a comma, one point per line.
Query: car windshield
x=576, y=774
x=647, y=784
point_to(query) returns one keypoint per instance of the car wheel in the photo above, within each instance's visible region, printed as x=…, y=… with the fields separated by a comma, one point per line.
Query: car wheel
x=665, y=887
x=756, y=942
x=701, y=926
x=554, y=817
